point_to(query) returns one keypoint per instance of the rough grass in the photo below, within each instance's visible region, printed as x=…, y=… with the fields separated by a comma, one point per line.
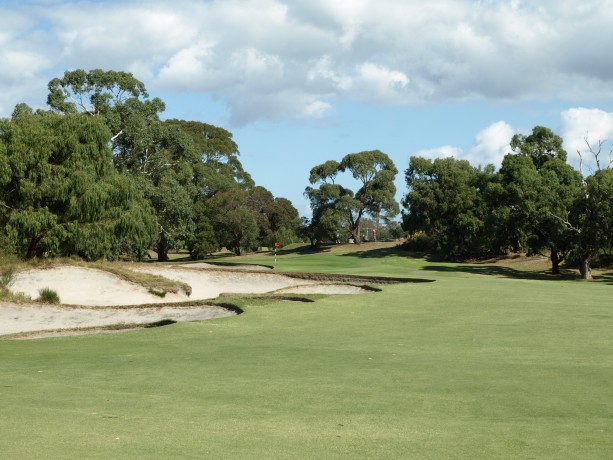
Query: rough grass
x=48, y=295
x=479, y=364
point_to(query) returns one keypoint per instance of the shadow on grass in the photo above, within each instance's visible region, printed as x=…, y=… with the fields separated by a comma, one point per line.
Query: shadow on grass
x=304, y=250
x=380, y=253
x=507, y=272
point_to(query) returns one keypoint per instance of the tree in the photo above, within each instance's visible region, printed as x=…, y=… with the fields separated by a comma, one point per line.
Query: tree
x=121, y=100
x=540, y=146
x=157, y=157
x=61, y=194
x=335, y=206
x=204, y=239
x=218, y=168
x=591, y=216
x=445, y=203
x=595, y=216
x=537, y=188
x=175, y=162
x=234, y=222
x=283, y=221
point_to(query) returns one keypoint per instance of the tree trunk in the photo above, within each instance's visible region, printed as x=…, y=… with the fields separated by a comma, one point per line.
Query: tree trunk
x=555, y=262
x=355, y=234
x=584, y=269
x=162, y=247
x=32, y=247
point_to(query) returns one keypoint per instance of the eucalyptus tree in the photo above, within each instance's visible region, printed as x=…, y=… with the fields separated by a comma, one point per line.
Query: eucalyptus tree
x=218, y=167
x=60, y=192
x=234, y=222
x=124, y=104
x=536, y=195
x=445, y=204
x=335, y=206
x=540, y=146
x=592, y=221
x=175, y=162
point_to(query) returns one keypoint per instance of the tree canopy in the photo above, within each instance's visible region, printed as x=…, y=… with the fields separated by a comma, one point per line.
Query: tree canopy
x=60, y=192
x=337, y=209
x=536, y=203
x=101, y=174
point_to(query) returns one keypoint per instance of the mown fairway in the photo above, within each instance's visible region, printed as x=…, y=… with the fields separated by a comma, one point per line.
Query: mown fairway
x=478, y=364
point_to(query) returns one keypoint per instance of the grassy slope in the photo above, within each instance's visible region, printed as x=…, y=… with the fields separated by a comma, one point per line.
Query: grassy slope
x=471, y=366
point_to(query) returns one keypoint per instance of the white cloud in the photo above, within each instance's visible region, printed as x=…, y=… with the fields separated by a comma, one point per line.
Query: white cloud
x=384, y=52
x=491, y=144
x=444, y=151
x=384, y=84
x=317, y=109
x=579, y=124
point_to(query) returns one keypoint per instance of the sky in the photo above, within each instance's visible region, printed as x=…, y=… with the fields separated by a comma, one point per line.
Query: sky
x=301, y=82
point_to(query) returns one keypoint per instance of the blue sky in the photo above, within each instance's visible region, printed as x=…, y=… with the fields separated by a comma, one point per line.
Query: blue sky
x=299, y=83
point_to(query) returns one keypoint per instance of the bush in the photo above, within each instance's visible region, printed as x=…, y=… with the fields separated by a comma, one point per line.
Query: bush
x=48, y=295
x=6, y=278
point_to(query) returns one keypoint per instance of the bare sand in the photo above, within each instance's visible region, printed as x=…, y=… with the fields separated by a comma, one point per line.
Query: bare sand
x=89, y=296
x=26, y=318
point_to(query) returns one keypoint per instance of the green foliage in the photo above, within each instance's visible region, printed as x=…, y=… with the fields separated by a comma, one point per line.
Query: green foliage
x=337, y=209
x=234, y=221
x=6, y=278
x=204, y=241
x=218, y=168
x=157, y=293
x=540, y=146
x=445, y=204
x=48, y=295
x=591, y=219
x=61, y=193
x=536, y=203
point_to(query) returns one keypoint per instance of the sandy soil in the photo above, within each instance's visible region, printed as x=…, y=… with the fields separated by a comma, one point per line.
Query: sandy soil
x=26, y=318
x=87, y=287
x=89, y=295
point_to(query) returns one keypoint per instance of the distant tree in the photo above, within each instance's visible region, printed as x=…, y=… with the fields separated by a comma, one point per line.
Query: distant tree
x=204, y=239
x=60, y=192
x=283, y=220
x=445, y=203
x=526, y=203
x=335, y=206
x=234, y=222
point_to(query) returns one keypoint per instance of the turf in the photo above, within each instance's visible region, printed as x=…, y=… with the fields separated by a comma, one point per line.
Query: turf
x=479, y=364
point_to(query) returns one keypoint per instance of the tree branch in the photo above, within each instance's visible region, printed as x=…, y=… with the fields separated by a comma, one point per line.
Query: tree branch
x=567, y=223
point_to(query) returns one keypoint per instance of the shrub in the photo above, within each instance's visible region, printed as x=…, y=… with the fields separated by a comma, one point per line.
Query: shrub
x=6, y=278
x=48, y=295
x=161, y=294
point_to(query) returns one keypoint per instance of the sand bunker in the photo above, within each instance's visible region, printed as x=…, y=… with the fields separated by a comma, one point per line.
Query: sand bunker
x=17, y=319
x=100, y=291
x=87, y=287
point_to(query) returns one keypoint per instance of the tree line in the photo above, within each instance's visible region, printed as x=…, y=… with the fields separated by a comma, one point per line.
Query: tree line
x=535, y=203
x=100, y=175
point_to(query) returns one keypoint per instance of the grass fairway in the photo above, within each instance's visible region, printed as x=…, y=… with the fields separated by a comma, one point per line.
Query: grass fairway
x=478, y=364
